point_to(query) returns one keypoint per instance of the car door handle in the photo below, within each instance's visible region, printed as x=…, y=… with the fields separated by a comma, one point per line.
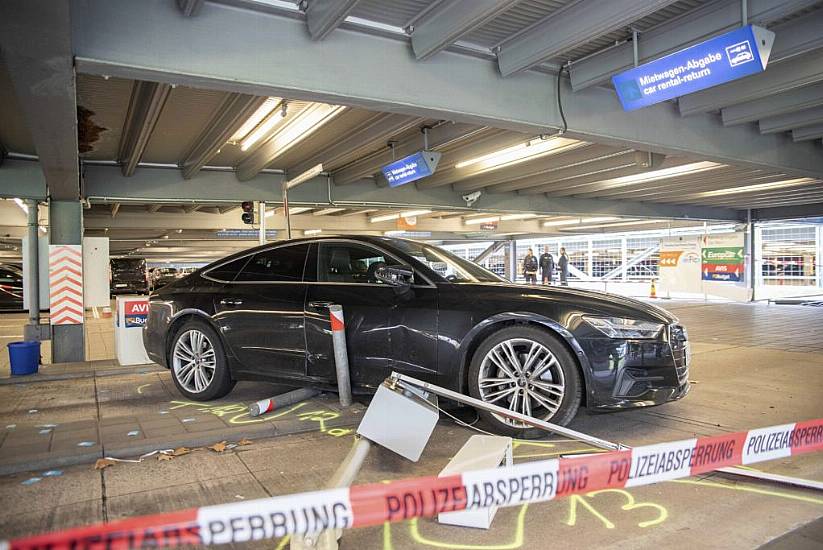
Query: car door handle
x=320, y=305
x=230, y=302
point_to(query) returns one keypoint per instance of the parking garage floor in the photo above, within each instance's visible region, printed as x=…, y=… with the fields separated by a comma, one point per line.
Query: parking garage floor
x=754, y=365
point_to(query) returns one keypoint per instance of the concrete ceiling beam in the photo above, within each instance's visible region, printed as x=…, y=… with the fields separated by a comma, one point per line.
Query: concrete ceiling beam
x=145, y=106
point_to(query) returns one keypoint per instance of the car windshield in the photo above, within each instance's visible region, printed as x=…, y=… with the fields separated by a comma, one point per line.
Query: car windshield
x=453, y=268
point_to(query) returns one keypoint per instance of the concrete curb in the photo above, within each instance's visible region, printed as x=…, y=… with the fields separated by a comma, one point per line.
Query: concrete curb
x=45, y=461
x=120, y=371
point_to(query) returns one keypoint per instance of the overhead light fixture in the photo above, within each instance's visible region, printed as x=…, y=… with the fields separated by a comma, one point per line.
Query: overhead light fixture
x=559, y=223
x=519, y=153
x=308, y=232
x=255, y=119
x=292, y=210
x=21, y=204
x=598, y=220
x=755, y=187
x=264, y=129
x=406, y=214
x=509, y=217
x=303, y=125
x=692, y=168
x=477, y=221
x=621, y=224
x=327, y=211
x=315, y=170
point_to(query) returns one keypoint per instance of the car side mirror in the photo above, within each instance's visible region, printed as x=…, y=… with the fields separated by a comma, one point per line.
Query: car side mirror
x=401, y=276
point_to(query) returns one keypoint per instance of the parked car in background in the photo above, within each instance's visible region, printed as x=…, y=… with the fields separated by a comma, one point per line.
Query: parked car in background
x=161, y=276
x=416, y=309
x=129, y=276
x=11, y=287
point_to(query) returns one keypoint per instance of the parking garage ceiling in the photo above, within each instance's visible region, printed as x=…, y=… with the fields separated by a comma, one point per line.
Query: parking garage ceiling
x=187, y=108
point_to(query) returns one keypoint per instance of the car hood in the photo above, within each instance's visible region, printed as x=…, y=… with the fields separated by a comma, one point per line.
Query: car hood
x=610, y=304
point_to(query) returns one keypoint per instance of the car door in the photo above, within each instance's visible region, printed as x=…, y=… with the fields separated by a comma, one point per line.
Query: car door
x=260, y=313
x=384, y=331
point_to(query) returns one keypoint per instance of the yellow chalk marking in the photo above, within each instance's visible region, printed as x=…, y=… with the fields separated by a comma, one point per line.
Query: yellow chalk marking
x=517, y=542
x=790, y=496
x=631, y=504
x=140, y=388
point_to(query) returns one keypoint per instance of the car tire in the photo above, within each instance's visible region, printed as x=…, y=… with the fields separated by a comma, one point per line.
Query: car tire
x=200, y=373
x=542, y=390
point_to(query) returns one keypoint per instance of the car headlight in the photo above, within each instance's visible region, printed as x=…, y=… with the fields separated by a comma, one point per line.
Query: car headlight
x=618, y=327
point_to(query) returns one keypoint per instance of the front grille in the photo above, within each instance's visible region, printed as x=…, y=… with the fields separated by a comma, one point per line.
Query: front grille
x=679, y=340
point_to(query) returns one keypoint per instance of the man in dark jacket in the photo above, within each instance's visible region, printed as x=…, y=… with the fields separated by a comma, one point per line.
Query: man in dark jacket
x=563, y=266
x=547, y=266
x=530, y=267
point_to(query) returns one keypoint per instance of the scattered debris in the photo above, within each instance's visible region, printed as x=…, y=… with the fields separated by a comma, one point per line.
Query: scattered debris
x=133, y=433
x=46, y=431
x=163, y=412
x=239, y=497
x=11, y=426
x=188, y=420
x=219, y=447
x=180, y=451
x=33, y=411
x=243, y=442
x=49, y=426
x=31, y=481
x=103, y=463
x=694, y=381
x=53, y=473
x=164, y=456
x=87, y=444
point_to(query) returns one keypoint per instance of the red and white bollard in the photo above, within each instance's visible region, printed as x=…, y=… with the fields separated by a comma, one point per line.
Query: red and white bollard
x=341, y=356
x=279, y=401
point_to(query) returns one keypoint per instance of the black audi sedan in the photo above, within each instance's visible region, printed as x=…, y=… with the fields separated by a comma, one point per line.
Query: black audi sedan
x=262, y=314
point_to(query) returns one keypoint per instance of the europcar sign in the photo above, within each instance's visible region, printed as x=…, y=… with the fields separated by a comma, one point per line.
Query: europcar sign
x=724, y=58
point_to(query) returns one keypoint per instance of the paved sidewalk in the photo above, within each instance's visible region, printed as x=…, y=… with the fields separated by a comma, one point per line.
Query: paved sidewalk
x=57, y=422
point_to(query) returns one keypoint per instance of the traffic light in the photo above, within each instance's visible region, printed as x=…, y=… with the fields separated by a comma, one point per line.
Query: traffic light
x=248, y=212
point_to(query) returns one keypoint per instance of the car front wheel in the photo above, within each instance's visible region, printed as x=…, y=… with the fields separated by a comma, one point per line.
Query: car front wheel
x=526, y=370
x=198, y=364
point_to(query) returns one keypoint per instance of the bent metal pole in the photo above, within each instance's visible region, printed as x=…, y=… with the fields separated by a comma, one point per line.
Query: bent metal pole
x=341, y=356
x=284, y=399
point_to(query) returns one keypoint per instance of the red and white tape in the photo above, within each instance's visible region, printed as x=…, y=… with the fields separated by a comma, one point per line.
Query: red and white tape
x=336, y=319
x=374, y=504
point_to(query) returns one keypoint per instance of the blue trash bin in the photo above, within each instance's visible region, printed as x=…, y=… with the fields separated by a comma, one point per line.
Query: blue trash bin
x=24, y=357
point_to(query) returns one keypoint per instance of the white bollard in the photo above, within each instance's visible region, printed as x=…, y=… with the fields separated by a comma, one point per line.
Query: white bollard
x=341, y=356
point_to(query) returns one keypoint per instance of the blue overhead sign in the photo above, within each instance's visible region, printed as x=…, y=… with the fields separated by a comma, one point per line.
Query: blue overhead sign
x=724, y=58
x=411, y=168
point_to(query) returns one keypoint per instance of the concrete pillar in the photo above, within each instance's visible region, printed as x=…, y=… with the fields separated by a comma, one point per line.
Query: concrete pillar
x=590, y=260
x=624, y=259
x=31, y=331
x=510, y=257
x=261, y=214
x=750, y=253
x=66, y=224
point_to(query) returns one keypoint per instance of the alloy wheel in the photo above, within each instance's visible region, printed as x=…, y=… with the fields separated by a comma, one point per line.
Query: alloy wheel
x=524, y=376
x=194, y=361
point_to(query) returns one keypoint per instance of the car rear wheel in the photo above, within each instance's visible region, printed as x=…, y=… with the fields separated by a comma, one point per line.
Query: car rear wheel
x=526, y=370
x=198, y=364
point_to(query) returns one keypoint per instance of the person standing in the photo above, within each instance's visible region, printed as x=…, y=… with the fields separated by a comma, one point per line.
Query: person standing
x=530, y=267
x=563, y=266
x=547, y=266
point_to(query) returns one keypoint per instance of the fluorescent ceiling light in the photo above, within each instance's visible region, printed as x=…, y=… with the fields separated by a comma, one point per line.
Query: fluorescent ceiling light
x=327, y=211
x=622, y=224
x=519, y=153
x=558, y=223
x=312, y=231
x=487, y=219
x=293, y=210
x=755, y=187
x=315, y=170
x=22, y=205
x=303, y=125
x=598, y=220
x=692, y=168
x=406, y=214
x=509, y=217
x=256, y=118
x=262, y=130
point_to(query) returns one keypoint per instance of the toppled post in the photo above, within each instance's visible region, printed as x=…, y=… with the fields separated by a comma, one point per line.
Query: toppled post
x=278, y=401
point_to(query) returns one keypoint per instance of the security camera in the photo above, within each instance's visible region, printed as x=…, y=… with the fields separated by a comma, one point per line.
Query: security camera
x=471, y=198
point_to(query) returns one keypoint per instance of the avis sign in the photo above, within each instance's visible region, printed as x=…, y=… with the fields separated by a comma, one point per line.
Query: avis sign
x=136, y=312
x=724, y=58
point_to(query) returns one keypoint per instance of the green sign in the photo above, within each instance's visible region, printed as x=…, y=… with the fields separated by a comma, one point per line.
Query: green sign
x=723, y=255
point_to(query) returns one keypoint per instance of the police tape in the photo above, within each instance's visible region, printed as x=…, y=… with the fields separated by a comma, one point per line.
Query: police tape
x=374, y=504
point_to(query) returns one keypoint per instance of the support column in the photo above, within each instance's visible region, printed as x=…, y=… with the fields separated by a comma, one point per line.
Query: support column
x=66, y=223
x=261, y=215
x=624, y=259
x=31, y=331
x=751, y=255
x=511, y=261
x=590, y=260
x=818, y=257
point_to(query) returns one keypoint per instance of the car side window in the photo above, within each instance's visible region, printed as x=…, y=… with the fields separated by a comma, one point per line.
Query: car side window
x=350, y=263
x=227, y=272
x=282, y=264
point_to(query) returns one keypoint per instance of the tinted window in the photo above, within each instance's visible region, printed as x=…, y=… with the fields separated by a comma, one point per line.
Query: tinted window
x=279, y=264
x=350, y=263
x=227, y=272
x=446, y=264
